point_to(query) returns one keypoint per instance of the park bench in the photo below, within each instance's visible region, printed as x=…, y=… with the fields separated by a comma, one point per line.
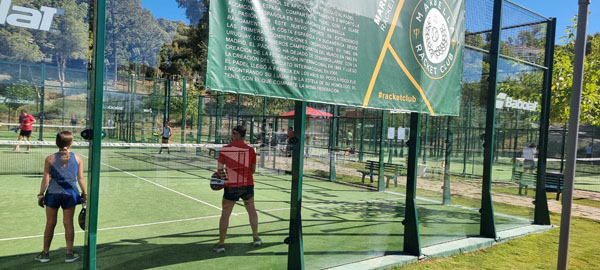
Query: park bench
x=391, y=171
x=554, y=181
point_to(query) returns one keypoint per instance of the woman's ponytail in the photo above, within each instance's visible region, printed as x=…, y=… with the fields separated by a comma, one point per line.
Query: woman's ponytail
x=64, y=139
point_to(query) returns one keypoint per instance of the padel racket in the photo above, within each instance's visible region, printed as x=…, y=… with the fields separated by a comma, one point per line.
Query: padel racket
x=216, y=183
x=81, y=217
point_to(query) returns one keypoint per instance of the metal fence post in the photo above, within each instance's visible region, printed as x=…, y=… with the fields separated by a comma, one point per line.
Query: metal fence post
x=333, y=143
x=99, y=30
x=447, y=195
x=183, y=111
x=382, y=139
x=542, y=215
x=219, y=119
x=263, y=134
x=296, y=249
x=42, y=97
x=488, y=224
x=412, y=242
x=424, y=148
x=361, y=147
x=200, y=115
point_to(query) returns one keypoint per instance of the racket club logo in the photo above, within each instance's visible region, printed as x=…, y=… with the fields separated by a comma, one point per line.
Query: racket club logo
x=433, y=37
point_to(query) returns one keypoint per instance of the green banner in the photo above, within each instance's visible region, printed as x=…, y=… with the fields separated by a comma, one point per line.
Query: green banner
x=386, y=54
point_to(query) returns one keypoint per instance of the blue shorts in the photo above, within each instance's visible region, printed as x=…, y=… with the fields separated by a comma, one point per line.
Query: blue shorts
x=235, y=193
x=66, y=201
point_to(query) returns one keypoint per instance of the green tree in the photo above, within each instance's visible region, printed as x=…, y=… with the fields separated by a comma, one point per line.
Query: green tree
x=17, y=95
x=129, y=26
x=195, y=10
x=68, y=39
x=562, y=79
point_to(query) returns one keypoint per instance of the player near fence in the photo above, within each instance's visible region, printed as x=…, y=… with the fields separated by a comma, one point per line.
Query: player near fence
x=290, y=146
x=26, y=121
x=528, y=158
x=588, y=150
x=63, y=170
x=239, y=161
x=166, y=136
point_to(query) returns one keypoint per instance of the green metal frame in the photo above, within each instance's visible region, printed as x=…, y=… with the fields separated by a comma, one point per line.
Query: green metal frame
x=425, y=139
x=446, y=198
x=467, y=138
x=333, y=143
x=97, y=92
x=515, y=143
x=166, y=99
x=390, y=142
x=382, y=139
x=361, y=147
x=263, y=134
x=219, y=118
x=183, y=111
x=200, y=114
x=412, y=241
x=542, y=215
x=487, y=226
x=296, y=249
x=42, y=96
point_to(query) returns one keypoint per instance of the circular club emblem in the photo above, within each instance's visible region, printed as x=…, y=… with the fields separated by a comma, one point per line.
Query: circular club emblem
x=432, y=38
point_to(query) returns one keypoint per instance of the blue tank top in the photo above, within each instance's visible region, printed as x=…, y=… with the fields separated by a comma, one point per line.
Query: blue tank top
x=63, y=179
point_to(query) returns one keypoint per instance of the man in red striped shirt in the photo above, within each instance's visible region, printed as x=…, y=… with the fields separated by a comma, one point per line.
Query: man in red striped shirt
x=239, y=161
x=26, y=120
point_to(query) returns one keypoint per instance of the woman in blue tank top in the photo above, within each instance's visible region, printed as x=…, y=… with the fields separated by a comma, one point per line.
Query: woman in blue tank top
x=63, y=170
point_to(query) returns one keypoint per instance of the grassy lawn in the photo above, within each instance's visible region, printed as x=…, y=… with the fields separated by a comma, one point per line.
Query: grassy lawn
x=586, y=202
x=532, y=252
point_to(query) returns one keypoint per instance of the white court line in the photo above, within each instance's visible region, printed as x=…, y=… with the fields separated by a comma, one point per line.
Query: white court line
x=159, y=185
x=118, y=227
x=185, y=219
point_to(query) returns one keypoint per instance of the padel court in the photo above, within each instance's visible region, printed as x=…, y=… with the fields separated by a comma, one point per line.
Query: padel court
x=157, y=211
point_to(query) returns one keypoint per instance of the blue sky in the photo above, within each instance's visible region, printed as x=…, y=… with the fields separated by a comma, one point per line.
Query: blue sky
x=167, y=9
x=563, y=10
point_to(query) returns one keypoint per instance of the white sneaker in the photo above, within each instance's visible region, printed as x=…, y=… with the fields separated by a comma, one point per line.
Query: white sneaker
x=43, y=257
x=257, y=242
x=71, y=257
x=219, y=248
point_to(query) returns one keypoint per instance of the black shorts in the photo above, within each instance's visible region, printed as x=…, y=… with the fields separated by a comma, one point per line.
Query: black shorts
x=528, y=164
x=235, y=193
x=165, y=139
x=25, y=133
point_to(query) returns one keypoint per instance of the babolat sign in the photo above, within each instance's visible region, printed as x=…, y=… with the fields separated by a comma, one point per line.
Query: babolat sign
x=505, y=101
x=27, y=17
x=386, y=54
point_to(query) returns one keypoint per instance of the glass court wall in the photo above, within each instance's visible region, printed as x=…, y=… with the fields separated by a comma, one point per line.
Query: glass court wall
x=155, y=206
x=44, y=71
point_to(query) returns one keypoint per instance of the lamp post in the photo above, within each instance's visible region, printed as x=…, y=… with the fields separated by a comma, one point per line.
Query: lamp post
x=136, y=54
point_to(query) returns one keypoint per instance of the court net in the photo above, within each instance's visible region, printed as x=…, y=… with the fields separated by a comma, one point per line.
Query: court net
x=114, y=156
